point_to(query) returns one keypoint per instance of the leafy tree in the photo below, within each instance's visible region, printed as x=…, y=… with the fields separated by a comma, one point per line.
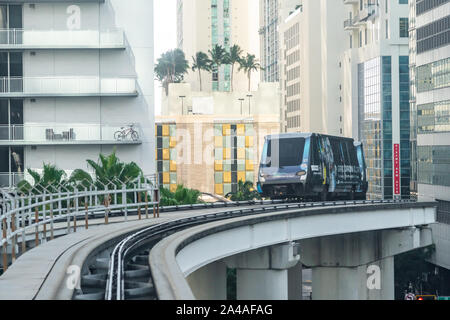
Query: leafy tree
x=201, y=62
x=245, y=192
x=48, y=181
x=249, y=64
x=234, y=56
x=171, y=68
x=219, y=57
x=181, y=196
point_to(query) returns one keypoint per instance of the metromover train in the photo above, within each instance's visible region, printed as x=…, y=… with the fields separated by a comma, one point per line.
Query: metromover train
x=313, y=167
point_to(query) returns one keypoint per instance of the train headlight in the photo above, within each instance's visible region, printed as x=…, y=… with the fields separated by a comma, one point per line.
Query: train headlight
x=262, y=179
x=301, y=173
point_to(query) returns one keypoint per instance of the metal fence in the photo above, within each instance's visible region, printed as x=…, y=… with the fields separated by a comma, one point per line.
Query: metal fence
x=35, y=210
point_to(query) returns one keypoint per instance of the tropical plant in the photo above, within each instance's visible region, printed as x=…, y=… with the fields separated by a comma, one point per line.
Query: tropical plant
x=181, y=196
x=219, y=56
x=245, y=192
x=171, y=68
x=108, y=169
x=249, y=64
x=234, y=56
x=201, y=62
x=48, y=182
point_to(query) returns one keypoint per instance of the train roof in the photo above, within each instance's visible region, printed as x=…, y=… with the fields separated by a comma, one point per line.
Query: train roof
x=302, y=135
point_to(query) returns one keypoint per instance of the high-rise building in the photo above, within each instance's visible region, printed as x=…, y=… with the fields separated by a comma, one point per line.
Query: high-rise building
x=430, y=113
x=272, y=14
x=202, y=24
x=375, y=92
x=72, y=77
x=311, y=49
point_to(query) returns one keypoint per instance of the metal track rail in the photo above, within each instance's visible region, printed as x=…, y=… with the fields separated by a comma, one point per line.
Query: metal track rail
x=129, y=276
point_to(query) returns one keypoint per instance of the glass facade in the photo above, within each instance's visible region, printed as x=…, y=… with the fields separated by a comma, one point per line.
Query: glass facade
x=375, y=118
x=434, y=117
x=433, y=76
x=221, y=35
x=434, y=165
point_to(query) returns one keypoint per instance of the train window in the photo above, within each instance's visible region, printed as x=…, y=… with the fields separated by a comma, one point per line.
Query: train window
x=290, y=152
x=352, y=151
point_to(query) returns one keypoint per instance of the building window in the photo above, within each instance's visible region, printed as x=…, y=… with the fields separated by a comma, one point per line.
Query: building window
x=404, y=26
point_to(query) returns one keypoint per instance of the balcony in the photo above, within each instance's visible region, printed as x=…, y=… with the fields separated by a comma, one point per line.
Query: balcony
x=351, y=24
x=370, y=11
x=21, y=87
x=69, y=134
x=21, y=39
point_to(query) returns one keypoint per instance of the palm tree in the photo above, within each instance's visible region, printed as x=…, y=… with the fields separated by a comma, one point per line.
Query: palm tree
x=49, y=181
x=108, y=169
x=245, y=192
x=201, y=62
x=219, y=56
x=171, y=68
x=234, y=56
x=249, y=63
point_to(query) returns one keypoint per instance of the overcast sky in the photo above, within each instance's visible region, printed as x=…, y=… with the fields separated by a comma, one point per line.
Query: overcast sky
x=165, y=36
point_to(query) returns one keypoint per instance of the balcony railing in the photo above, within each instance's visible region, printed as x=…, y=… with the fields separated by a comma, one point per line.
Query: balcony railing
x=63, y=39
x=69, y=134
x=67, y=86
x=351, y=23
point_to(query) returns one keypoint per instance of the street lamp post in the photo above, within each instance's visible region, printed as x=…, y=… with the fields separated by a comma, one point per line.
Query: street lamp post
x=182, y=104
x=249, y=96
x=242, y=101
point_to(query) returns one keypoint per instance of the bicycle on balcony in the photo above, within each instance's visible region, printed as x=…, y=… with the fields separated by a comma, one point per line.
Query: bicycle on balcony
x=126, y=134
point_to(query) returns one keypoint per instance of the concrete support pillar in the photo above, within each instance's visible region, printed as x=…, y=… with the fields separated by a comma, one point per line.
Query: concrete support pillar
x=295, y=282
x=265, y=274
x=210, y=282
x=262, y=284
x=373, y=281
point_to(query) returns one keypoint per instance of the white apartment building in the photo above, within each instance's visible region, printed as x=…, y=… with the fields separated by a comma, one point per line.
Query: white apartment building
x=204, y=23
x=311, y=49
x=375, y=91
x=72, y=74
x=430, y=113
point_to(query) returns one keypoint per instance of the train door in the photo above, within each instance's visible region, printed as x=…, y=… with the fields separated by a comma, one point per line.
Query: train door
x=317, y=177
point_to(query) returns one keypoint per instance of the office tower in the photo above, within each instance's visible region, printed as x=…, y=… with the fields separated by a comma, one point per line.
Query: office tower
x=71, y=76
x=375, y=87
x=430, y=113
x=202, y=24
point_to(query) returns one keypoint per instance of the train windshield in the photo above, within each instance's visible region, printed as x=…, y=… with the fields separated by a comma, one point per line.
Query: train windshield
x=279, y=153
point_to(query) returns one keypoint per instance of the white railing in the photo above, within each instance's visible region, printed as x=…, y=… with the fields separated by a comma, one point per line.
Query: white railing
x=35, y=211
x=71, y=133
x=62, y=38
x=68, y=85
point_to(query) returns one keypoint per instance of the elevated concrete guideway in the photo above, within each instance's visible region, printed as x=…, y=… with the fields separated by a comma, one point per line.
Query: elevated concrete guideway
x=342, y=244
